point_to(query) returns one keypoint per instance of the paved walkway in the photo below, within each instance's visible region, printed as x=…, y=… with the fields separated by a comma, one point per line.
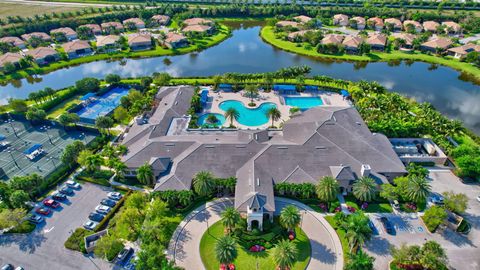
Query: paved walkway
x=184, y=247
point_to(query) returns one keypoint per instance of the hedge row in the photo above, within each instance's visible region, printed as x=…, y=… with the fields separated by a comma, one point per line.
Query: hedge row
x=103, y=224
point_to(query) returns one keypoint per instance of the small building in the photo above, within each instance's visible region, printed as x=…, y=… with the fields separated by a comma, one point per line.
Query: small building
x=377, y=41
x=69, y=33
x=160, y=19
x=198, y=28
x=175, y=40
x=139, y=24
x=437, y=44
x=108, y=43
x=430, y=26
x=407, y=38
x=452, y=27
x=302, y=19
x=294, y=36
x=34, y=151
x=282, y=24
x=421, y=150
x=95, y=29
x=14, y=41
x=462, y=51
x=44, y=55
x=12, y=58
x=394, y=23
x=416, y=25
x=140, y=42
x=193, y=21
x=358, y=23
x=112, y=27
x=77, y=48
x=340, y=19
x=41, y=35
x=352, y=43
x=335, y=39
x=375, y=23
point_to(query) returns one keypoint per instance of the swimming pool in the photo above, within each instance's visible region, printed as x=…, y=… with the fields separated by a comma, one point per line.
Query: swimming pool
x=303, y=103
x=249, y=117
x=202, y=120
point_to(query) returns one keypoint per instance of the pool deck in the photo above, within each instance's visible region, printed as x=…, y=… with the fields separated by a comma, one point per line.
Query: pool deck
x=328, y=98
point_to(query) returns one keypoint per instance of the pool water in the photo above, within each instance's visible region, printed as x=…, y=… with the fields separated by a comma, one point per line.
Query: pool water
x=303, y=103
x=249, y=117
x=202, y=120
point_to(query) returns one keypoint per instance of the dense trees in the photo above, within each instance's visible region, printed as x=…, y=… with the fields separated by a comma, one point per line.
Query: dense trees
x=430, y=256
x=455, y=202
x=359, y=261
x=433, y=217
x=71, y=152
x=35, y=115
x=87, y=85
x=356, y=228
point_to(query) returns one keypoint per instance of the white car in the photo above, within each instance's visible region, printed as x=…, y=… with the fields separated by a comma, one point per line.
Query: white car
x=478, y=198
x=90, y=225
x=102, y=209
x=114, y=196
x=72, y=184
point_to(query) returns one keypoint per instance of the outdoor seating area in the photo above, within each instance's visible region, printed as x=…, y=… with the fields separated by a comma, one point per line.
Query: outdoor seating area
x=418, y=150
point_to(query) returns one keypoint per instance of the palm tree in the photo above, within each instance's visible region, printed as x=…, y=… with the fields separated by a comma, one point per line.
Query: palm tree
x=251, y=91
x=203, y=183
x=290, y=217
x=230, y=218
x=357, y=230
x=284, y=254
x=89, y=160
x=359, y=261
x=217, y=79
x=226, y=249
x=232, y=114
x=274, y=114
x=327, y=189
x=145, y=174
x=364, y=189
x=119, y=167
x=418, y=189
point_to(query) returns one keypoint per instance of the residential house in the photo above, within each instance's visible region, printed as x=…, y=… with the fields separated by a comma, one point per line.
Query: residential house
x=452, y=27
x=69, y=33
x=44, y=55
x=437, y=44
x=14, y=41
x=41, y=35
x=375, y=23
x=108, y=43
x=77, y=48
x=193, y=21
x=416, y=25
x=294, y=36
x=175, y=40
x=198, y=28
x=462, y=51
x=430, y=26
x=335, y=39
x=12, y=58
x=407, y=40
x=139, y=24
x=377, y=41
x=281, y=24
x=358, y=23
x=352, y=43
x=340, y=19
x=140, y=41
x=305, y=19
x=112, y=27
x=160, y=19
x=95, y=29
x=394, y=24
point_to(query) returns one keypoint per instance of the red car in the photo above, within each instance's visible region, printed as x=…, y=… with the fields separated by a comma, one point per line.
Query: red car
x=51, y=203
x=43, y=211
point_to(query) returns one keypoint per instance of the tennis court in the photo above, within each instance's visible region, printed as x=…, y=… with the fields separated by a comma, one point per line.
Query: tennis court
x=20, y=138
x=101, y=106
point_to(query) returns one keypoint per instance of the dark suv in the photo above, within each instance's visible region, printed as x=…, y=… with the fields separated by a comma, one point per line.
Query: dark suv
x=387, y=225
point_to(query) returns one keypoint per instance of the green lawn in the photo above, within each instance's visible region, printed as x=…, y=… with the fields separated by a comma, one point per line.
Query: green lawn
x=249, y=260
x=268, y=36
x=340, y=233
x=379, y=208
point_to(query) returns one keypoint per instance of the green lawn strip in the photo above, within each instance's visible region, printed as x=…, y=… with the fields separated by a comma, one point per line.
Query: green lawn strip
x=340, y=233
x=100, y=177
x=379, y=208
x=246, y=259
x=24, y=227
x=268, y=36
x=62, y=107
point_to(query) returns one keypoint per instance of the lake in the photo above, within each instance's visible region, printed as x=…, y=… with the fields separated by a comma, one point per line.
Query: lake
x=245, y=52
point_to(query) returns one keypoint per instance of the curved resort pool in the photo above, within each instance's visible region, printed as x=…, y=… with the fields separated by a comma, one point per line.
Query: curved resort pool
x=202, y=120
x=249, y=117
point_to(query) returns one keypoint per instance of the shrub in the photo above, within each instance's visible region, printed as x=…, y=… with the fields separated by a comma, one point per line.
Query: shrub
x=102, y=224
x=433, y=217
x=76, y=240
x=25, y=227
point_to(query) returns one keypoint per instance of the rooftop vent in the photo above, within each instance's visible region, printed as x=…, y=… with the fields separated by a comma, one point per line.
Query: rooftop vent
x=320, y=147
x=282, y=147
x=240, y=146
x=169, y=144
x=258, y=181
x=209, y=146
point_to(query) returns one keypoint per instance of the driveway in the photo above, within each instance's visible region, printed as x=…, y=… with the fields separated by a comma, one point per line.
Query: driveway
x=43, y=248
x=184, y=246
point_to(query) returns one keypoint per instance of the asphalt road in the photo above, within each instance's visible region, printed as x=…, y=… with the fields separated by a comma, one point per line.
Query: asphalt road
x=43, y=249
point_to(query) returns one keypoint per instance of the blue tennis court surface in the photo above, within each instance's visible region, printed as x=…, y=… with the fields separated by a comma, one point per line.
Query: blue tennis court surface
x=102, y=105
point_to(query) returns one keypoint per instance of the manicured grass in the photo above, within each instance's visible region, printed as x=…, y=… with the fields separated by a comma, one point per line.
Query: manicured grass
x=246, y=259
x=341, y=234
x=62, y=107
x=24, y=227
x=30, y=10
x=268, y=36
x=379, y=208
x=100, y=177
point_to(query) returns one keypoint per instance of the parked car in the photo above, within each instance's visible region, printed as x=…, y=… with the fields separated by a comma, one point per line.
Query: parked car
x=96, y=217
x=19, y=268
x=372, y=226
x=108, y=202
x=436, y=198
x=387, y=225
x=396, y=205
x=124, y=254
x=51, y=203
x=72, y=184
x=102, y=209
x=478, y=198
x=66, y=190
x=114, y=196
x=43, y=211
x=7, y=267
x=90, y=225
x=36, y=219
x=59, y=196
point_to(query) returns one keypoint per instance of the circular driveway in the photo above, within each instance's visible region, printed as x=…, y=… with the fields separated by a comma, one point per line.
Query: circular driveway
x=184, y=246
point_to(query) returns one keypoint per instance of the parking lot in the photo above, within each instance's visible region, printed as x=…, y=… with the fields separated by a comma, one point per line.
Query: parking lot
x=43, y=248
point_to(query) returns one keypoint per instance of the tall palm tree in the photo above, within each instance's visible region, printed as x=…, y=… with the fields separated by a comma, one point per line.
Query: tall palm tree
x=145, y=174
x=357, y=230
x=359, y=261
x=203, y=183
x=232, y=114
x=284, y=254
x=364, y=189
x=327, y=189
x=119, y=167
x=226, y=249
x=251, y=91
x=230, y=218
x=274, y=114
x=418, y=189
x=290, y=217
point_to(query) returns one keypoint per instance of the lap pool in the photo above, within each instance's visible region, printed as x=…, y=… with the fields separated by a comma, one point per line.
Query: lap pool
x=249, y=117
x=304, y=103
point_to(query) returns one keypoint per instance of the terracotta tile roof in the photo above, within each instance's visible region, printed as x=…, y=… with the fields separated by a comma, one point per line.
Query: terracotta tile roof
x=65, y=30
x=352, y=41
x=41, y=52
x=430, y=26
x=405, y=36
x=10, y=58
x=174, y=37
x=197, y=28
x=139, y=38
x=15, y=41
x=107, y=40
x=395, y=22
x=303, y=18
x=95, y=28
x=194, y=21
x=161, y=18
x=378, y=22
x=443, y=43
x=465, y=49
x=136, y=21
x=377, y=40
x=359, y=20
x=72, y=46
x=416, y=24
x=287, y=23
x=340, y=17
x=332, y=39
x=295, y=34
x=115, y=25
x=41, y=35
x=453, y=25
